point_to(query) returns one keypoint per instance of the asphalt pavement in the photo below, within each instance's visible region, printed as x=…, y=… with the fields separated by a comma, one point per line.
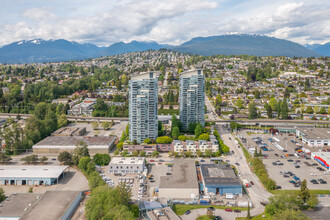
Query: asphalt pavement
x=257, y=192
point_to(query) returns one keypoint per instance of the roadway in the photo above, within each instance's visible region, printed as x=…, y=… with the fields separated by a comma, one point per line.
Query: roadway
x=257, y=192
x=211, y=113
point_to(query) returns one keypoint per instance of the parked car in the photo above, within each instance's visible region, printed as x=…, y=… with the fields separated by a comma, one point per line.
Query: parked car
x=187, y=212
x=211, y=208
x=237, y=211
x=228, y=210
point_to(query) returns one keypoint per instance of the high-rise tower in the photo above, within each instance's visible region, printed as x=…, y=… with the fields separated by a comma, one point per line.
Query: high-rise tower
x=143, y=107
x=192, y=97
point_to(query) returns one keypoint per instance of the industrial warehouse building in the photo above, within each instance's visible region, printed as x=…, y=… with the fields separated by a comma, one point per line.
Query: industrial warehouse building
x=219, y=179
x=52, y=205
x=314, y=137
x=31, y=175
x=127, y=165
x=182, y=184
x=57, y=144
x=322, y=158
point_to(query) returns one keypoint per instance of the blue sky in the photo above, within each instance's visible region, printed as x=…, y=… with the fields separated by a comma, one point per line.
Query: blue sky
x=104, y=22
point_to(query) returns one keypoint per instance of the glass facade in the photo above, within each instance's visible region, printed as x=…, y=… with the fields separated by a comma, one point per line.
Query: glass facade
x=143, y=107
x=192, y=97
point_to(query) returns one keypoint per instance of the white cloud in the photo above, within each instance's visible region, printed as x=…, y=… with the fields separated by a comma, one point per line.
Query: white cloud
x=39, y=14
x=167, y=21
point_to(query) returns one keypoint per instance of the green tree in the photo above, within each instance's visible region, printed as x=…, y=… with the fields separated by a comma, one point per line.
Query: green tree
x=62, y=121
x=40, y=110
x=255, y=152
x=43, y=159
x=164, y=140
x=248, y=212
x=123, y=137
x=208, y=153
x=4, y=158
x=142, y=153
x=175, y=133
x=205, y=137
x=120, y=145
x=192, y=127
x=252, y=111
x=109, y=203
x=101, y=159
x=182, y=138
x=269, y=110
x=79, y=152
x=309, y=110
x=323, y=111
x=312, y=201
x=224, y=148
x=155, y=153
x=289, y=214
x=147, y=141
x=273, y=103
x=239, y=103
x=199, y=130
x=105, y=125
x=135, y=153
x=83, y=162
x=2, y=194
x=304, y=193
x=286, y=93
x=95, y=180
x=285, y=110
x=199, y=153
x=279, y=109
x=95, y=125
x=65, y=158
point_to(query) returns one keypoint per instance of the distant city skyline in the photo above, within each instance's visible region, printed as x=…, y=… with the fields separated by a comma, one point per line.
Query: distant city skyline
x=104, y=22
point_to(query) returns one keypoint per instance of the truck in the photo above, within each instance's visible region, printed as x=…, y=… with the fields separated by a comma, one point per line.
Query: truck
x=278, y=146
x=276, y=139
x=246, y=183
x=230, y=196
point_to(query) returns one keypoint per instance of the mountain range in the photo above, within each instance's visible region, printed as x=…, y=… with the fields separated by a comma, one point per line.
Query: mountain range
x=39, y=50
x=323, y=49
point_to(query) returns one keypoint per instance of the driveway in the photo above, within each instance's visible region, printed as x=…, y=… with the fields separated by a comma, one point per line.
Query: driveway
x=257, y=192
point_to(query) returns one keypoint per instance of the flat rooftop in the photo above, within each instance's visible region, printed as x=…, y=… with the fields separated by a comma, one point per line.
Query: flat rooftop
x=31, y=171
x=69, y=131
x=145, y=75
x=70, y=142
x=126, y=160
x=17, y=204
x=194, y=72
x=184, y=175
x=218, y=174
x=51, y=205
x=315, y=133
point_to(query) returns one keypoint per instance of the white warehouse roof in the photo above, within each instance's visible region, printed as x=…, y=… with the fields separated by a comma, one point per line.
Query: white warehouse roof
x=127, y=160
x=31, y=171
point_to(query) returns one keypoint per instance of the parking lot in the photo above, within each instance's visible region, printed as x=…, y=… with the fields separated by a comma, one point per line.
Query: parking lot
x=279, y=163
x=156, y=170
x=136, y=182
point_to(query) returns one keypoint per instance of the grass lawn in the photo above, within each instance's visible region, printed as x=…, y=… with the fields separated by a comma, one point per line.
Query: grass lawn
x=257, y=217
x=181, y=209
x=204, y=217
